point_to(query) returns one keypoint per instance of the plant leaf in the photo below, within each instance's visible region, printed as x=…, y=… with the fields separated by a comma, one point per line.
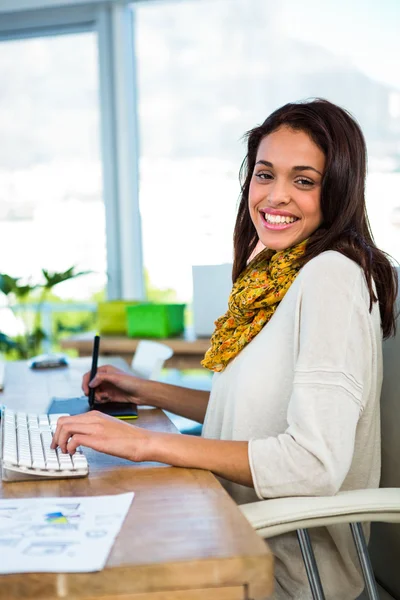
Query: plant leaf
x=6, y=343
x=23, y=290
x=53, y=279
x=8, y=284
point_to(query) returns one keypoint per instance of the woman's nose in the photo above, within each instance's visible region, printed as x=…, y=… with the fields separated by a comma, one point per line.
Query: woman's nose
x=278, y=194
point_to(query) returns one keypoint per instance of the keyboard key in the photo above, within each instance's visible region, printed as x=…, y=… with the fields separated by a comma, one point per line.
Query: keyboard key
x=53, y=465
x=54, y=418
x=65, y=462
x=25, y=460
x=79, y=461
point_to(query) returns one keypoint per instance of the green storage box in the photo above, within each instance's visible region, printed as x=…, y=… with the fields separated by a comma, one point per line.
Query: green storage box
x=112, y=316
x=155, y=320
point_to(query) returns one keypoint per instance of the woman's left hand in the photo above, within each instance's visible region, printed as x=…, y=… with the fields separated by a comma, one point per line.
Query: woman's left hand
x=100, y=432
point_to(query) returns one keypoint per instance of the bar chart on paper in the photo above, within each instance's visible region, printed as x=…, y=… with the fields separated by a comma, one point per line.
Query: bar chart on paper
x=53, y=535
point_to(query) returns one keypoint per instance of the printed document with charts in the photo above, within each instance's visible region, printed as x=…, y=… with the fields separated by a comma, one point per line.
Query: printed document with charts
x=59, y=535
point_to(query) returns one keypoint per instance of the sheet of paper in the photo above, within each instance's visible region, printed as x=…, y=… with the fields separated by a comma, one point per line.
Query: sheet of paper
x=59, y=535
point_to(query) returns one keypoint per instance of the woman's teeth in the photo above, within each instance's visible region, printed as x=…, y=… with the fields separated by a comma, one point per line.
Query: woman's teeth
x=278, y=218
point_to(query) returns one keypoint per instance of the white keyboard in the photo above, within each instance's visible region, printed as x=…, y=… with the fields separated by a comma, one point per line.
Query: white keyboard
x=26, y=452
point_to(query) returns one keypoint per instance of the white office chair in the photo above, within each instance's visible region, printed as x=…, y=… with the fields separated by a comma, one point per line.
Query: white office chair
x=283, y=515
x=149, y=359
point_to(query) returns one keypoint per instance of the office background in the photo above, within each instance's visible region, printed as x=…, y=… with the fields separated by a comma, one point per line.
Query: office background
x=122, y=122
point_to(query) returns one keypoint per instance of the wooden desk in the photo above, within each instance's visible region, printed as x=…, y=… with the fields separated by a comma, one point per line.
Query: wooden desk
x=184, y=538
x=188, y=350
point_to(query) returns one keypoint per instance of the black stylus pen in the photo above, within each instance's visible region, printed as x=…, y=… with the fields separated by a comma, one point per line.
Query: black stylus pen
x=93, y=371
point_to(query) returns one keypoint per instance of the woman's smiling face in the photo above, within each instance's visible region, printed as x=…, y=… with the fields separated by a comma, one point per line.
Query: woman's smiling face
x=285, y=189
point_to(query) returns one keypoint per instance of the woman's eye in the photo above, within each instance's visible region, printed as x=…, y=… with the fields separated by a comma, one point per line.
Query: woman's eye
x=304, y=182
x=263, y=176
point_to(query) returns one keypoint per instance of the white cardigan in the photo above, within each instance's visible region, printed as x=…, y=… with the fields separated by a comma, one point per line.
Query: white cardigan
x=305, y=394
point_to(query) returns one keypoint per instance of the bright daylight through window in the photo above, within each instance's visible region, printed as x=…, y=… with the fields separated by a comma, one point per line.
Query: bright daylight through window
x=51, y=206
x=208, y=71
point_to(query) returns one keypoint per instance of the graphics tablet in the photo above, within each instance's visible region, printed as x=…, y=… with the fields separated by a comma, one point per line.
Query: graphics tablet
x=78, y=406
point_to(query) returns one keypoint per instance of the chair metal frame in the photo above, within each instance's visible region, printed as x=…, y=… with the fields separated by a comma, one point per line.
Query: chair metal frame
x=312, y=569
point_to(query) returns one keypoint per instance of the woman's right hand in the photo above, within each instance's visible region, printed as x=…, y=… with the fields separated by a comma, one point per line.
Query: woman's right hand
x=114, y=385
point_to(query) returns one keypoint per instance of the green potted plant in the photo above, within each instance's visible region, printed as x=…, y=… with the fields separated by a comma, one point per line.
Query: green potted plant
x=28, y=344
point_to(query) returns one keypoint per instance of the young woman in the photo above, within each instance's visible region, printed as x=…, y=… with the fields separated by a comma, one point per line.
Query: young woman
x=294, y=406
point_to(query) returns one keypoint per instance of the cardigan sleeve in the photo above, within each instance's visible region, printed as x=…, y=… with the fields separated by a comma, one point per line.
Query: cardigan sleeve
x=332, y=372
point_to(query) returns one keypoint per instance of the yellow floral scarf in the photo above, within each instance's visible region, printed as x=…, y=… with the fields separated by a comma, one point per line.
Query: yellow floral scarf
x=255, y=297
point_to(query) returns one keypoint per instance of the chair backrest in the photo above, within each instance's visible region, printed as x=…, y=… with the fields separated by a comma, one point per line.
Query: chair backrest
x=385, y=537
x=149, y=359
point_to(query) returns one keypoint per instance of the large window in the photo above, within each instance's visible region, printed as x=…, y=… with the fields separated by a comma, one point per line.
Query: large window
x=51, y=205
x=210, y=70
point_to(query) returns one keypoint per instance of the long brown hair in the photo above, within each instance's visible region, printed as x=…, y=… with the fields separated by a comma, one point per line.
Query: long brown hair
x=345, y=227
